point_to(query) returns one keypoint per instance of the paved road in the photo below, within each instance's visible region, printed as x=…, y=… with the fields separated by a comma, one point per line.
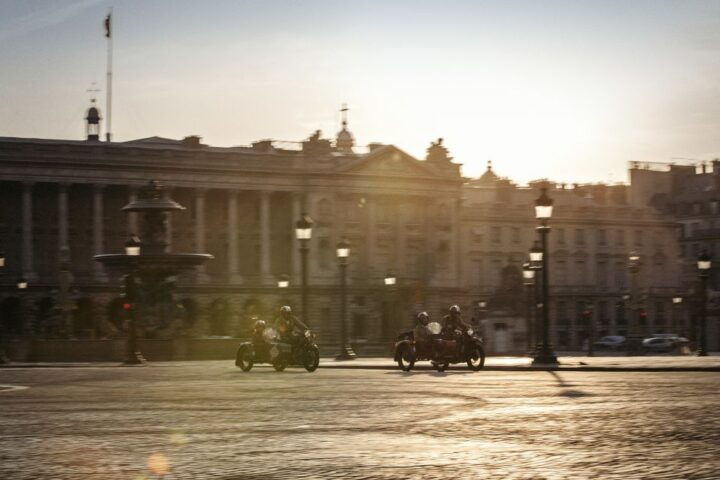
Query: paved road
x=209, y=420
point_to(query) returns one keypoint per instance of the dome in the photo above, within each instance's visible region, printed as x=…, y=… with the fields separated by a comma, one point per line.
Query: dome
x=344, y=141
x=487, y=178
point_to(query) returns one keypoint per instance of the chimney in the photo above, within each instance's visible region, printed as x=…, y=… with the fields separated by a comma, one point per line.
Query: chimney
x=191, y=141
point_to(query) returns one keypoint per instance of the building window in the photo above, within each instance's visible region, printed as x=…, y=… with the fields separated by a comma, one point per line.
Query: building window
x=714, y=207
x=359, y=330
x=561, y=272
x=516, y=235
x=562, y=314
x=325, y=254
x=602, y=275
x=579, y=236
x=638, y=237
x=476, y=235
x=581, y=272
x=601, y=236
x=620, y=237
x=620, y=269
x=495, y=234
x=560, y=235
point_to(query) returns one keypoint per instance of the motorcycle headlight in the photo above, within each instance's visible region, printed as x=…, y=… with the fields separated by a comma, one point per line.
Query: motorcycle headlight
x=470, y=331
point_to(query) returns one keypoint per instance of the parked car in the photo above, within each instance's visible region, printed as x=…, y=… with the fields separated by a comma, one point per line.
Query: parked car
x=665, y=343
x=611, y=342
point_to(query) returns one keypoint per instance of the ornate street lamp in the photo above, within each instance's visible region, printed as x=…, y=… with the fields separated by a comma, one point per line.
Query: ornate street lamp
x=283, y=281
x=3, y=358
x=544, y=354
x=634, y=336
x=343, y=252
x=677, y=303
x=22, y=283
x=529, y=282
x=303, y=233
x=132, y=246
x=703, y=264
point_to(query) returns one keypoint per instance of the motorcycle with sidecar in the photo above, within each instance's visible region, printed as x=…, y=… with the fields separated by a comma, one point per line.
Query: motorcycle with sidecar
x=267, y=347
x=441, y=348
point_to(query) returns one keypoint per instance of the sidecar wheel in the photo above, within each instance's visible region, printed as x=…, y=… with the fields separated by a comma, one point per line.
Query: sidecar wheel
x=244, y=359
x=279, y=365
x=442, y=366
x=476, y=358
x=406, y=358
x=311, y=359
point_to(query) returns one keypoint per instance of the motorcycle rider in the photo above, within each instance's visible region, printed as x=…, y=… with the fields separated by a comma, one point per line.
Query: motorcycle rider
x=421, y=332
x=452, y=322
x=287, y=324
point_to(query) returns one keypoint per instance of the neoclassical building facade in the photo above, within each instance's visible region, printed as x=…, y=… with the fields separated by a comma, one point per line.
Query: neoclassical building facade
x=446, y=238
x=400, y=215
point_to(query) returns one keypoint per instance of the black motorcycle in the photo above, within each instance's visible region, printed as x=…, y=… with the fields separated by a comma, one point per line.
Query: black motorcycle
x=441, y=348
x=266, y=347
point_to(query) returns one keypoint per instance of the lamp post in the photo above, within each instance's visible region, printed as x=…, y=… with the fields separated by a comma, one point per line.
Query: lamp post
x=390, y=281
x=22, y=285
x=343, y=252
x=677, y=303
x=283, y=281
x=634, y=336
x=303, y=232
x=544, y=354
x=529, y=282
x=3, y=358
x=133, y=356
x=703, y=263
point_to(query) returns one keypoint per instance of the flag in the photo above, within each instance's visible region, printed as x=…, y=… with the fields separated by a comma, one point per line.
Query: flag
x=107, y=26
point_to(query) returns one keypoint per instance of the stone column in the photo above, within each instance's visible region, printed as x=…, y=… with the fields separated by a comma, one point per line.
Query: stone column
x=132, y=217
x=63, y=215
x=167, y=194
x=200, y=244
x=98, y=232
x=297, y=207
x=371, y=261
x=455, y=246
x=398, y=267
x=27, y=232
x=233, y=266
x=265, y=239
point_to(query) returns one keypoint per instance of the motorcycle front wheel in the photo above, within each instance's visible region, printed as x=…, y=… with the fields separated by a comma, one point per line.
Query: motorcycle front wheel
x=244, y=359
x=406, y=358
x=476, y=358
x=279, y=365
x=311, y=358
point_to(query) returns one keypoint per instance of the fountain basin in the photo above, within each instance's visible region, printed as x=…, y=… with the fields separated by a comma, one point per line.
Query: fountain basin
x=158, y=265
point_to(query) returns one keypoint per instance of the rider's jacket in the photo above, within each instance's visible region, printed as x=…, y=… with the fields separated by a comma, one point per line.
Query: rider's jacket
x=450, y=323
x=286, y=324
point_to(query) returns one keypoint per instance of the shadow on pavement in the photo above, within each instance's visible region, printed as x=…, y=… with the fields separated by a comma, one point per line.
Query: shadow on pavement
x=567, y=392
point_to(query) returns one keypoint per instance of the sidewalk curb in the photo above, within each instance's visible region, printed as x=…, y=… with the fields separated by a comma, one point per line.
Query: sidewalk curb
x=389, y=366
x=528, y=368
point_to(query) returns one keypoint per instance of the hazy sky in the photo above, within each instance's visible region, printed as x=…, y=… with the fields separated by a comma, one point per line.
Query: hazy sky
x=570, y=90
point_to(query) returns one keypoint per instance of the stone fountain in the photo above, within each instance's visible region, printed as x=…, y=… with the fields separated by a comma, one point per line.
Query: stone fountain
x=147, y=264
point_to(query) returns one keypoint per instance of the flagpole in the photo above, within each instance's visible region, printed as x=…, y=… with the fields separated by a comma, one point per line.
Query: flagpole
x=108, y=34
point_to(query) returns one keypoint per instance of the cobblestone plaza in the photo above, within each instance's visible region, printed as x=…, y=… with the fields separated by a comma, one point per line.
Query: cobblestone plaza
x=210, y=420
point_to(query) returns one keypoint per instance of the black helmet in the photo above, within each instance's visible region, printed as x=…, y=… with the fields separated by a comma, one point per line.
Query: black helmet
x=454, y=309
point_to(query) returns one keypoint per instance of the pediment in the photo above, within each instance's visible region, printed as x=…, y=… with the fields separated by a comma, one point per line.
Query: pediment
x=389, y=160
